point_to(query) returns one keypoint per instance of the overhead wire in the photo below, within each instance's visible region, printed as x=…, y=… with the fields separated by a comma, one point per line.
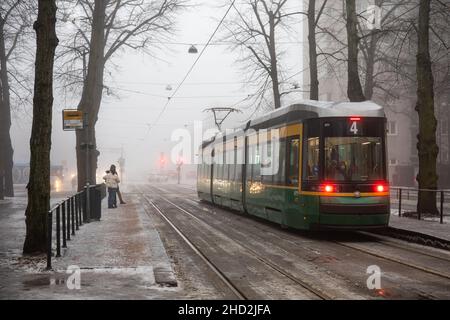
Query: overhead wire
x=192, y=67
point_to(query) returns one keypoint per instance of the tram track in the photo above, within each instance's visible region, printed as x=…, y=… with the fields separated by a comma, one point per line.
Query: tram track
x=278, y=269
x=186, y=198
x=222, y=275
x=392, y=259
x=228, y=283
x=389, y=242
x=399, y=261
x=395, y=260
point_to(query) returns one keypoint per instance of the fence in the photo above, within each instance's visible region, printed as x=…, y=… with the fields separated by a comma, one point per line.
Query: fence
x=70, y=214
x=408, y=197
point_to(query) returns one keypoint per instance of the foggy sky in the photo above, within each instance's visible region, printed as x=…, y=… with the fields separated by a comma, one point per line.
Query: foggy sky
x=124, y=122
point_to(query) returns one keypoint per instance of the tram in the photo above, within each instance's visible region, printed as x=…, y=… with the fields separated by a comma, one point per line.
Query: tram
x=308, y=165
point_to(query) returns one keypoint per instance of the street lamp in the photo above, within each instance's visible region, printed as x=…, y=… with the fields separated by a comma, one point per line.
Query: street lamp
x=192, y=50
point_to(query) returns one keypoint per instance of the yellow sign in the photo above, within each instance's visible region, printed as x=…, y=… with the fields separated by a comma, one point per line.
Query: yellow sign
x=72, y=119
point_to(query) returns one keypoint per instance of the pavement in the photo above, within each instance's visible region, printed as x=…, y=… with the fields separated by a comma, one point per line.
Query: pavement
x=429, y=228
x=119, y=257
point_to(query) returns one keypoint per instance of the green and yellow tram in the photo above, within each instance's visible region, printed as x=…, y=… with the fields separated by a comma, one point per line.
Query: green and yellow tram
x=310, y=165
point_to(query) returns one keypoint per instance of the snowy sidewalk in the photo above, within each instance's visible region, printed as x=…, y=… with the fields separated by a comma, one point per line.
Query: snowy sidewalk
x=431, y=228
x=119, y=257
x=124, y=239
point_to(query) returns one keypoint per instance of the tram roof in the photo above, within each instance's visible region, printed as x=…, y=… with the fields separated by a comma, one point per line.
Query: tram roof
x=308, y=109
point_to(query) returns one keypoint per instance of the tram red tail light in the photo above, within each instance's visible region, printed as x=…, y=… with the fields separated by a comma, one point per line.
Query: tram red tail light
x=329, y=188
x=381, y=187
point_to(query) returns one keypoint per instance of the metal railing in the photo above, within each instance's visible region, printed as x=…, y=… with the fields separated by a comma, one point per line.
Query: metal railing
x=407, y=194
x=70, y=215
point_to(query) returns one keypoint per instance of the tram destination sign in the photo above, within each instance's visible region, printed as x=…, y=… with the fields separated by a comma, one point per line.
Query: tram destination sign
x=72, y=119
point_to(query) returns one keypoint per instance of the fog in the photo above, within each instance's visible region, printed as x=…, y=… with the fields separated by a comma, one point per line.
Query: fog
x=139, y=81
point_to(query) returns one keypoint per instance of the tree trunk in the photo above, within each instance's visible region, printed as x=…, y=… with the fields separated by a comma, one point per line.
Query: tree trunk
x=5, y=120
x=354, y=89
x=40, y=142
x=273, y=62
x=447, y=111
x=426, y=145
x=313, y=74
x=2, y=170
x=370, y=67
x=91, y=98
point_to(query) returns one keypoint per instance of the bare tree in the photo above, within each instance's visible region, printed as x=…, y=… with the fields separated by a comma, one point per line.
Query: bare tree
x=395, y=67
x=254, y=31
x=354, y=89
x=14, y=22
x=40, y=142
x=313, y=20
x=104, y=28
x=426, y=145
x=377, y=45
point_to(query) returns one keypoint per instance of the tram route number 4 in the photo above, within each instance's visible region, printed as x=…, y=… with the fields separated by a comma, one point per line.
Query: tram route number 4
x=354, y=127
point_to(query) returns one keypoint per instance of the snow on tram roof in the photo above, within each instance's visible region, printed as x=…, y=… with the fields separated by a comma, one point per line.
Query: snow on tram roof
x=336, y=109
x=326, y=109
x=318, y=109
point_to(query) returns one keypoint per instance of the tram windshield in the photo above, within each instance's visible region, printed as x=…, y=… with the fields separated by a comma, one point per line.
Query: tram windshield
x=353, y=158
x=344, y=149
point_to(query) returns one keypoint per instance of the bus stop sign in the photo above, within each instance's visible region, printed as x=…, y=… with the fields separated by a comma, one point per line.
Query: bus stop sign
x=72, y=119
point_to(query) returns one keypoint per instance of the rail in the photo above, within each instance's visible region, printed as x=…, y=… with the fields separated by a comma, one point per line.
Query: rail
x=70, y=215
x=408, y=194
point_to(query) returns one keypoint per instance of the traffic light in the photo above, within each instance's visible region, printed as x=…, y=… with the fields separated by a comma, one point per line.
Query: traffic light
x=162, y=160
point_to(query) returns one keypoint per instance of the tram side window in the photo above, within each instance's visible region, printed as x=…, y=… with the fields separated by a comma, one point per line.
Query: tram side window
x=216, y=171
x=204, y=171
x=220, y=175
x=238, y=166
x=311, y=170
x=266, y=163
x=225, y=171
x=249, y=165
x=220, y=153
x=293, y=158
x=232, y=163
x=251, y=157
x=239, y=172
x=208, y=172
x=279, y=176
x=256, y=167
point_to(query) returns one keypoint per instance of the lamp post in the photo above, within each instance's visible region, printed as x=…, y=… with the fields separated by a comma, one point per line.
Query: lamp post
x=179, y=164
x=86, y=146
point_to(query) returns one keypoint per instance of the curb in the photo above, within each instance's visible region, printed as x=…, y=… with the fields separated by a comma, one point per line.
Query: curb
x=415, y=237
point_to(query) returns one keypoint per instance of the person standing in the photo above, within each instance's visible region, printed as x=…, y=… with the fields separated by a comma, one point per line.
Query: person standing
x=112, y=182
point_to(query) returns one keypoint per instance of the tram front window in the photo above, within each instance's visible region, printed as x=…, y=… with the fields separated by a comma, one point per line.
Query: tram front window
x=353, y=158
